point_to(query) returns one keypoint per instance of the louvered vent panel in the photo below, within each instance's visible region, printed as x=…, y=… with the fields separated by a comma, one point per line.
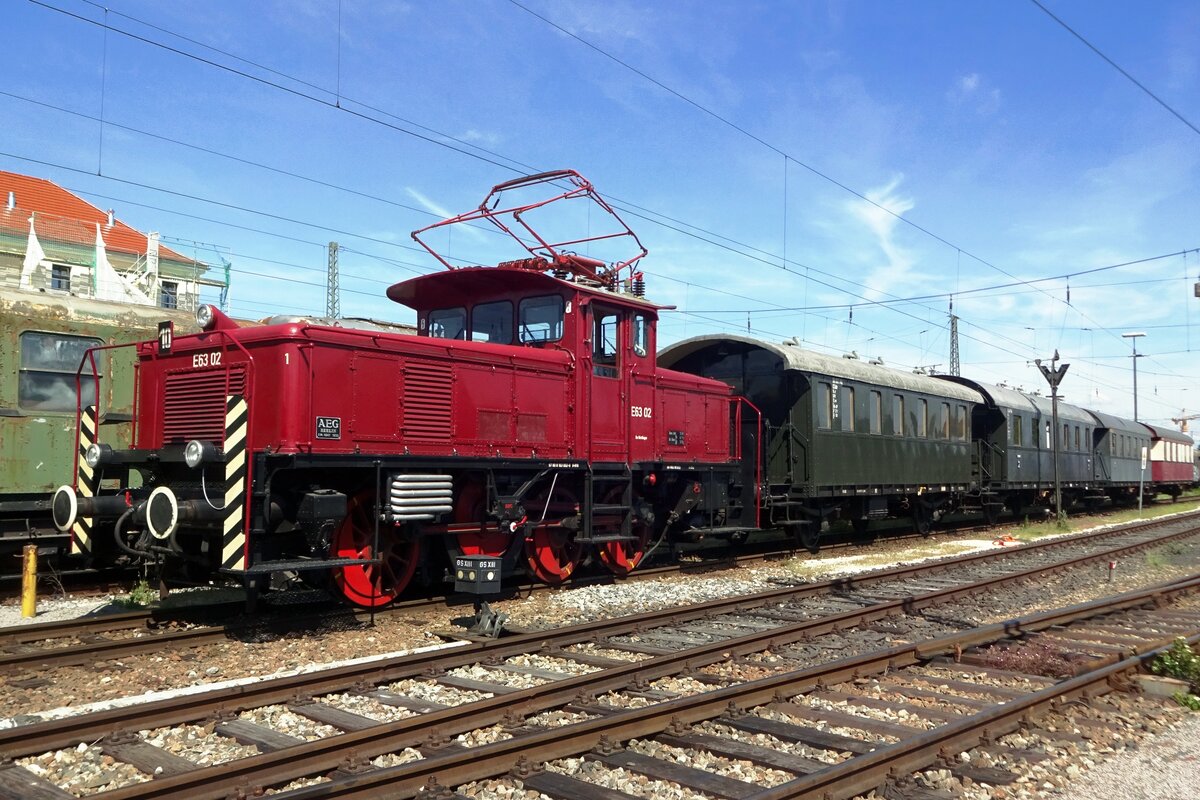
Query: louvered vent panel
x=194, y=405
x=427, y=389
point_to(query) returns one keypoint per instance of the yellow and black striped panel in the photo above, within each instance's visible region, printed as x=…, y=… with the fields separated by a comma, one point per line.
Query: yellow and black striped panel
x=85, y=483
x=233, y=540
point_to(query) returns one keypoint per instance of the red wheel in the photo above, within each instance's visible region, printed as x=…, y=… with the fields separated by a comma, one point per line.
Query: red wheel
x=372, y=585
x=472, y=536
x=551, y=551
x=622, y=556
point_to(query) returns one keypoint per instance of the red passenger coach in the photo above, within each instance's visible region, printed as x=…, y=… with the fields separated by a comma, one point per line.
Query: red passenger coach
x=1172, y=467
x=526, y=421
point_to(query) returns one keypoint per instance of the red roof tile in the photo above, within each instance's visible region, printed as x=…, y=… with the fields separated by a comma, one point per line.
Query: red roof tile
x=42, y=197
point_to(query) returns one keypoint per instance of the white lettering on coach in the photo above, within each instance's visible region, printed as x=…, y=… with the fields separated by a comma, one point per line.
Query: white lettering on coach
x=212, y=359
x=642, y=412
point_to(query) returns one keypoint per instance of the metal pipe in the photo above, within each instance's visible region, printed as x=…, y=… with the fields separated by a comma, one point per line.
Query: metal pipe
x=29, y=582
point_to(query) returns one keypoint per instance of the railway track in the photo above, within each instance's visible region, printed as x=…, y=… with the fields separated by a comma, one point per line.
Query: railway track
x=773, y=633
x=29, y=648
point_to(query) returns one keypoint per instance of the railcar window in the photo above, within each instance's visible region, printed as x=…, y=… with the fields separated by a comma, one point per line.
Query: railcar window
x=541, y=319
x=605, y=338
x=1017, y=434
x=641, y=335
x=944, y=422
x=492, y=322
x=846, y=408
x=49, y=362
x=923, y=418
x=1077, y=447
x=448, y=323
x=898, y=414
x=824, y=405
x=960, y=423
x=876, y=412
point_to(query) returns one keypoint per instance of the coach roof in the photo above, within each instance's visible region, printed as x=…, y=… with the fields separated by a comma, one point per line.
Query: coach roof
x=801, y=360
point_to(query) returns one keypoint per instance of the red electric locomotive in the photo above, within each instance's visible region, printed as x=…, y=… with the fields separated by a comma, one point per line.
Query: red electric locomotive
x=527, y=421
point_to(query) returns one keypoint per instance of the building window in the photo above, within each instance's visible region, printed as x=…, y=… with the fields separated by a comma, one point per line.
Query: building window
x=898, y=414
x=824, y=405
x=846, y=407
x=876, y=412
x=60, y=277
x=49, y=364
x=168, y=294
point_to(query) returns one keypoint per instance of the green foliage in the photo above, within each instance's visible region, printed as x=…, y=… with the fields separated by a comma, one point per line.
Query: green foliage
x=1187, y=700
x=141, y=595
x=1181, y=662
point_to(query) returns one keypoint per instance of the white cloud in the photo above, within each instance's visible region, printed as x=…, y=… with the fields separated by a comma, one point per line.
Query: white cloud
x=973, y=91
x=898, y=261
x=441, y=211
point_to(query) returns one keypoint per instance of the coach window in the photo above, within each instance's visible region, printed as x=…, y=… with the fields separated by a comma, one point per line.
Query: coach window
x=492, y=322
x=824, y=405
x=846, y=407
x=923, y=418
x=898, y=415
x=876, y=412
x=1077, y=447
x=448, y=323
x=960, y=423
x=606, y=333
x=943, y=422
x=540, y=319
x=1016, y=429
x=49, y=362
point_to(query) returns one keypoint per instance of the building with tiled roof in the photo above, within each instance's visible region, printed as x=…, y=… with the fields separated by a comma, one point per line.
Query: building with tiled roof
x=54, y=241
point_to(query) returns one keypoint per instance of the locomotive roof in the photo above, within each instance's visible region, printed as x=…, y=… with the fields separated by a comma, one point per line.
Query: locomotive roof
x=797, y=358
x=1008, y=399
x=1169, y=434
x=439, y=289
x=1115, y=423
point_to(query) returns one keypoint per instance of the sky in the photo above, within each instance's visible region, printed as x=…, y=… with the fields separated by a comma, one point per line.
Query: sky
x=834, y=171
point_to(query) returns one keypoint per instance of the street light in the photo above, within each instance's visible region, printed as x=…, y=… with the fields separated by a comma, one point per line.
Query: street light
x=1134, y=337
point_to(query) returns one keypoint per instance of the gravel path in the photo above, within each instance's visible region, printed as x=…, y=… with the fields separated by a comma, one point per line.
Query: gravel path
x=1163, y=767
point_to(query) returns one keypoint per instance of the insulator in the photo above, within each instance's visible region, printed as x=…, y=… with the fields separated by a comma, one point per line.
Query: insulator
x=639, y=286
x=561, y=274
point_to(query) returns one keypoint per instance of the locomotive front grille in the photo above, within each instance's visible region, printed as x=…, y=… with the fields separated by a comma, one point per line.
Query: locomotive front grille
x=194, y=405
x=414, y=497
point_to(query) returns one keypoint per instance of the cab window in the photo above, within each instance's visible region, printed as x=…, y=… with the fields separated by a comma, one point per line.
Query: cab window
x=49, y=362
x=641, y=335
x=540, y=319
x=492, y=322
x=606, y=334
x=448, y=323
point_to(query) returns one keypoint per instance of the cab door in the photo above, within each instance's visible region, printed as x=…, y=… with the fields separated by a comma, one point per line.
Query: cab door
x=608, y=406
x=643, y=423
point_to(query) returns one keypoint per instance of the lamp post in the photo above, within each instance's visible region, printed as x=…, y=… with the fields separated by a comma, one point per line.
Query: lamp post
x=1054, y=375
x=1133, y=337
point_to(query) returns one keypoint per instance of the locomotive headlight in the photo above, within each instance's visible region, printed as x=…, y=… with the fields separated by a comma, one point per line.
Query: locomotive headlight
x=198, y=452
x=96, y=454
x=205, y=316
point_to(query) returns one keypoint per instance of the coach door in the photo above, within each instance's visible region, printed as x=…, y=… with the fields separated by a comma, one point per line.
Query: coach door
x=609, y=414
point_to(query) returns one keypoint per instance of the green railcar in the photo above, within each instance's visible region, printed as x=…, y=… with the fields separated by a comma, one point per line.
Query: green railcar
x=43, y=339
